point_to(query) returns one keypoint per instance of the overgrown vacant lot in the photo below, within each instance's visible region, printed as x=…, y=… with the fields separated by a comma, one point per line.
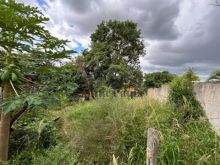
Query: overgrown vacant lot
x=92, y=132
x=97, y=129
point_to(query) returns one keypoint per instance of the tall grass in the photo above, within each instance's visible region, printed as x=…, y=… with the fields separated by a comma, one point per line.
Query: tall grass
x=104, y=127
x=112, y=130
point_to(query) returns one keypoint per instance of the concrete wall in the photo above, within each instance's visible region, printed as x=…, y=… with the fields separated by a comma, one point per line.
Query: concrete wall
x=208, y=94
x=160, y=94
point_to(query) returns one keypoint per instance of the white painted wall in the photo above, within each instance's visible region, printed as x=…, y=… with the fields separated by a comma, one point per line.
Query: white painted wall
x=208, y=94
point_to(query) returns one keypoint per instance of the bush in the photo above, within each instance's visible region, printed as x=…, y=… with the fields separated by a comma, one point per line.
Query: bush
x=32, y=137
x=57, y=155
x=182, y=97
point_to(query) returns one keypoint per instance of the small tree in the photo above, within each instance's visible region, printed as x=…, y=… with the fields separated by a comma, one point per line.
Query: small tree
x=24, y=45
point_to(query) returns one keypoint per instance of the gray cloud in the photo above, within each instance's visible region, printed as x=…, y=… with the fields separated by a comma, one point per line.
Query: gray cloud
x=178, y=34
x=199, y=47
x=155, y=17
x=158, y=20
x=79, y=6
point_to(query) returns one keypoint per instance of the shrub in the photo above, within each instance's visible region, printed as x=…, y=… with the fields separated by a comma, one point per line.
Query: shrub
x=57, y=155
x=32, y=137
x=182, y=97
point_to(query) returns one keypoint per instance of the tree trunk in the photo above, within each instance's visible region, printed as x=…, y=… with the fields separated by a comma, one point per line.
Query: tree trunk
x=5, y=125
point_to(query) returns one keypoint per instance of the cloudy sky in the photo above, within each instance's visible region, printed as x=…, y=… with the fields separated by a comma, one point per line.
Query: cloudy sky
x=178, y=34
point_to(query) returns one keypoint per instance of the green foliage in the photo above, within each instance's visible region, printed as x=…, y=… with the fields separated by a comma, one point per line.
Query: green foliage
x=10, y=72
x=182, y=97
x=215, y=76
x=36, y=141
x=107, y=126
x=190, y=75
x=60, y=154
x=99, y=86
x=65, y=80
x=32, y=101
x=156, y=79
x=25, y=44
x=114, y=56
x=117, y=126
x=33, y=137
x=112, y=127
x=192, y=142
x=99, y=129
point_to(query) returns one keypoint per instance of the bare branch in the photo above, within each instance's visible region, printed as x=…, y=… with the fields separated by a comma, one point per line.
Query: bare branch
x=14, y=88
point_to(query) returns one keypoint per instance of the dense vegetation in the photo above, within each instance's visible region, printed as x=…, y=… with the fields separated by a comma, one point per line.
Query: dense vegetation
x=182, y=97
x=32, y=73
x=91, y=132
x=44, y=118
x=25, y=45
x=114, y=56
x=101, y=129
x=156, y=79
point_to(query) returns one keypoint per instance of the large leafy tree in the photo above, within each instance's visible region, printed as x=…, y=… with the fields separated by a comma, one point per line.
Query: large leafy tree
x=115, y=51
x=24, y=45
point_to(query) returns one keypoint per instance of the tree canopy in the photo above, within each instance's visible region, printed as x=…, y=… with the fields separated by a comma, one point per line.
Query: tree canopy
x=156, y=79
x=65, y=80
x=116, y=48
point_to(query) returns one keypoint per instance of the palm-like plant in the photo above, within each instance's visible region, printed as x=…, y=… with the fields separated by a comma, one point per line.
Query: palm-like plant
x=215, y=75
x=24, y=45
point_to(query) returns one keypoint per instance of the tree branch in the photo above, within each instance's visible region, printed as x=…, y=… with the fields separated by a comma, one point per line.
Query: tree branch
x=19, y=113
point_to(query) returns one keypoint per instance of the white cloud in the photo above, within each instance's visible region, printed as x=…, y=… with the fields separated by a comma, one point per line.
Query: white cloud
x=178, y=34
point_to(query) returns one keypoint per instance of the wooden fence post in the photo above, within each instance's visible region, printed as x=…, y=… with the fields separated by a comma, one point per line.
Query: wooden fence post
x=152, y=146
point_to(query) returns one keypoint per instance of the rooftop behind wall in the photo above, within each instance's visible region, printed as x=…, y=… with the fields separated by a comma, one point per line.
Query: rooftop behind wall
x=208, y=94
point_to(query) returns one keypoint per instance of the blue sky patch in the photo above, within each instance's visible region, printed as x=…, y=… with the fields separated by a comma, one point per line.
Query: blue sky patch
x=79, y=48
x=43, y=4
